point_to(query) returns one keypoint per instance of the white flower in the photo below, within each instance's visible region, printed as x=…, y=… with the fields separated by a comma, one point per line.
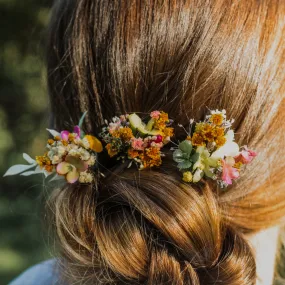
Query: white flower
x=56, y=159
x=84, y=154
x=74, y=152
x=218, y=112
x=230, y=148
x=91, y=160
x=85, y=143
x=61, y=150
x=85, y=177
x=198, y=175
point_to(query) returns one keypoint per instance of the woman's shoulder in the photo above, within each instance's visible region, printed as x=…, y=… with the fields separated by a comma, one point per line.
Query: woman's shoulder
x=44, y=273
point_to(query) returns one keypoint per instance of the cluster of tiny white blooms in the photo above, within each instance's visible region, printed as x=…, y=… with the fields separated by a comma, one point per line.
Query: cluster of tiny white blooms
x=85, y=143
x=56, y=151
x=85, y=177
x=115, y=124
x=218, y=112
x=92, y=160
x=154, y=144
x=78, y=148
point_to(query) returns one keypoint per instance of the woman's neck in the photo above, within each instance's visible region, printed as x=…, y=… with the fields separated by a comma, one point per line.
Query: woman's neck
x=265, y=245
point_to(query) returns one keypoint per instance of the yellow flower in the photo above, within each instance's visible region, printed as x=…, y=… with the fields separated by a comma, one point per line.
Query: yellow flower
x=161, y=122
x=112, y=152
x=168, y=132
x=238, y=165
x=220, y=141
x=197, y=140
x=94, y=143
x=208, y=136
x=187, y=176
x=44, y=162
x=151, y=157
x=218, y=132
x=217, y=119
x=124, y=133
x=50, y=141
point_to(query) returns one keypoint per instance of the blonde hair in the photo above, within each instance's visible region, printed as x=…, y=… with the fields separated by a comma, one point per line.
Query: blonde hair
x=114, y=57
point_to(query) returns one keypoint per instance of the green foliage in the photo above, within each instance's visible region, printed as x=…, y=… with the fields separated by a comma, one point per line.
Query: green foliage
x=23, y=119
x=185, y=155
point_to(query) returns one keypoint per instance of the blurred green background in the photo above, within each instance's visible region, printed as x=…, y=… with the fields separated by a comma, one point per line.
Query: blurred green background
x=24, y=237
x=23, y=119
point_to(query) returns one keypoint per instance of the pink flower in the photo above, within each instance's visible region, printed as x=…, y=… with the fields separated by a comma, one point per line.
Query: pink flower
x=245, y=156
x=229, y=172
x=155, y=114
x=64, y=134
x=138, y=143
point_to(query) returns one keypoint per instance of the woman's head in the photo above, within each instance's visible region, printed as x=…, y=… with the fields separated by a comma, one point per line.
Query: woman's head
x=183, y=57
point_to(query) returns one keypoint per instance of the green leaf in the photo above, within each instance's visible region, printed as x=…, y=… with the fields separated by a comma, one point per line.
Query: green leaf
x=150, y=124
x=186, y=147
x=29, y=159
x=195, y=157
x=184, y=164
x=178, y=156
x=17, y=169
x=82, y=119
x=53, y=133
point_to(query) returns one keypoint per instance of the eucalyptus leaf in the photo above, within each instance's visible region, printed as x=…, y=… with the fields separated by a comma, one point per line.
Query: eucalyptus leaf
x=178, y=156
x=17, y=169
x=31, y=172
x=186, y=147
x=184, y=165
x=28, y=159
x=195, y=157
x=82, y=119
x=53, y=133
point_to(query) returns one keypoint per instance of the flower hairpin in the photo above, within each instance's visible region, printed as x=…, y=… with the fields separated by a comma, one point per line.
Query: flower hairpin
x=211, y=152
x=128, y=137
x=69, y=155
x=209, y=149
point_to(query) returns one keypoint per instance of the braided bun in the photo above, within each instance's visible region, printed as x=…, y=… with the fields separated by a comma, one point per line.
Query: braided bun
x=149, y=228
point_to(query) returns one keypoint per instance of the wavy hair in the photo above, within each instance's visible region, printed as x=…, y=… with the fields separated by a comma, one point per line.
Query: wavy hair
x=115, y=57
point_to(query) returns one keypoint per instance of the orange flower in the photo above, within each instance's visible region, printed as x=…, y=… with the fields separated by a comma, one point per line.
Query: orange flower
x=151, y=157
x=218, y=132
x=217, y=119
x=160, y=123
x=49, y=168
x=208, y=136
x=132, y=153
x=50, y=141
x=44, y=162
x=124, y=133
x=65, y=143
x=197, y=140
x=111, y=151
x=238, y=165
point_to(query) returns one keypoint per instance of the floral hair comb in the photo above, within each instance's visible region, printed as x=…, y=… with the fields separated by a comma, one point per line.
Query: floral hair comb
x=71, y=155
x=208, y=151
